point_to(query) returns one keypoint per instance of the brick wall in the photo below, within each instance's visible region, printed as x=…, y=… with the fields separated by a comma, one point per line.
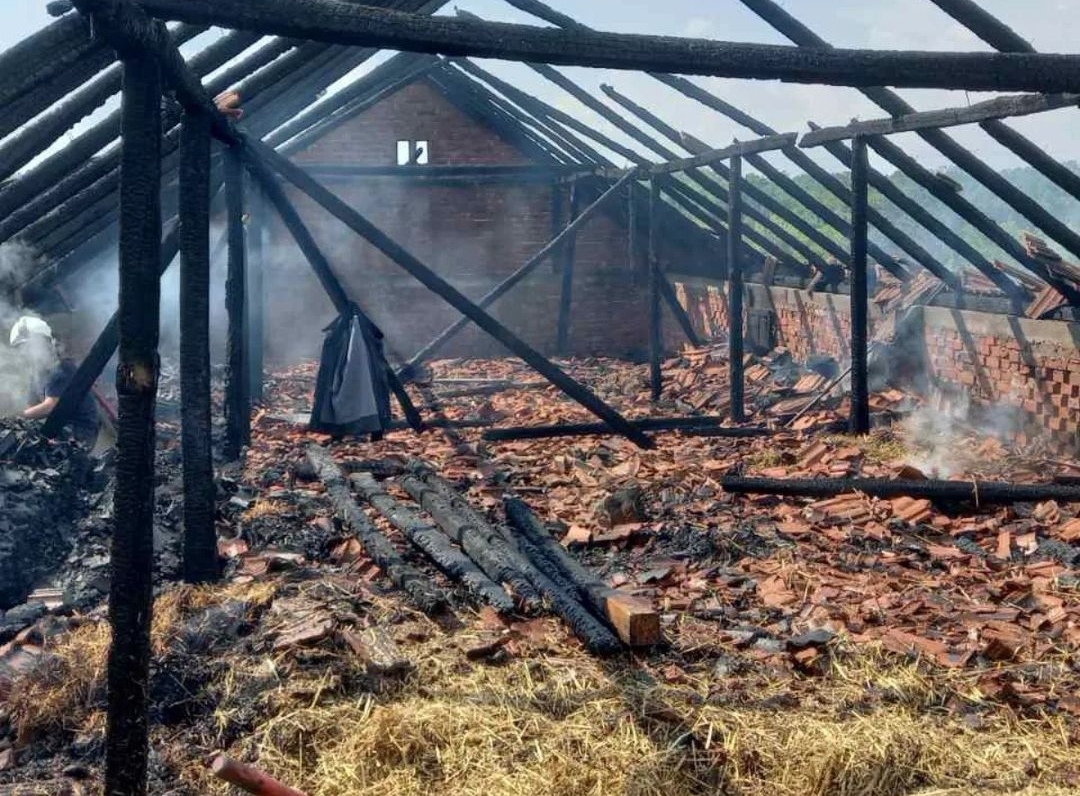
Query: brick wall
x=1024, y=374
x=806, y=324
x=1022, y=377
x=472, y=235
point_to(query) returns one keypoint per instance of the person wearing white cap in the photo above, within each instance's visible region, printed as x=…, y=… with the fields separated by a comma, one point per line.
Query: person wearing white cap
x=35, y=337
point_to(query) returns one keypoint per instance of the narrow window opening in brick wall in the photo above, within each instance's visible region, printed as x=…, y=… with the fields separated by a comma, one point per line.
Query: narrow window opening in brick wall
x=412, y=153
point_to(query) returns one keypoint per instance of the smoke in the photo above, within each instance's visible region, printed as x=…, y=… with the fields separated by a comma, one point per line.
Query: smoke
x=22, y=369
x=947, y=434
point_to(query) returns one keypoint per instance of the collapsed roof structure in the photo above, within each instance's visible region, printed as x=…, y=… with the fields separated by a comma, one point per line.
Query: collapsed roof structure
x=104, y=188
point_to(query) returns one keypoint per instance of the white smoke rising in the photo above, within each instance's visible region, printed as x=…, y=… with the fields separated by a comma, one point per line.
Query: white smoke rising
x=22, y=369
x=945, y=435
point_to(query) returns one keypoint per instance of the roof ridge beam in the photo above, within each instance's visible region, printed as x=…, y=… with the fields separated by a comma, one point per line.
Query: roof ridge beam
x=341, y=23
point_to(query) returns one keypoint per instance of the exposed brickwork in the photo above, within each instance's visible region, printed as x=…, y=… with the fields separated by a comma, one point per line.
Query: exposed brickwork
x=1031, y=384
x=805, y=325
x=1026, y=374
x=417, y=112
x=473, y=236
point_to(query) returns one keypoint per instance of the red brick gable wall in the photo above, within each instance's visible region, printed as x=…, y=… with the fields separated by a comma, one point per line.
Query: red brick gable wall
x=417, y=112
x=472, y=235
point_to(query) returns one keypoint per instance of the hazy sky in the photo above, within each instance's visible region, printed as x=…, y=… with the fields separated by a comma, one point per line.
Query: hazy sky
x=883, y=24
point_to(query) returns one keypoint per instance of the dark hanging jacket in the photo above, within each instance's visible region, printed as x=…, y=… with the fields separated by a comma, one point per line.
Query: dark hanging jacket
x=352, y=392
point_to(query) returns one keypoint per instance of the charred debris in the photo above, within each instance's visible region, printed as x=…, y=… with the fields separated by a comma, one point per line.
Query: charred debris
x=554, y=504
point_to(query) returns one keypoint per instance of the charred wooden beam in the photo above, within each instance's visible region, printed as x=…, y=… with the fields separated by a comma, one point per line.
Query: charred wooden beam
x=860, y=298
x=237, y=396
x=800, y=159
x=708, y=157
x=656, y=317
x=357, y=96
x=52, y=88
x=77, y=154
x=337, y=23
x=985, y=25
x=421, y=171
x=635, y=621
x=813, y=169
x=128, y=28
x=482, y=543
x=527, y=132
x=549, y=585
x=566, y=291
x=967, y=211
x=710, y=185
x=39, y=135
x=434, y=543
x=782, y=212
x=683, y=424
x=679, y=193
x=132, y=556
x=256, y=297
x=420, y=589
x=324, y=271
x=507, y=284
x=736, y=378
x=671, y=298
x=977, y=492
x=942, y=231
x=997, y=108
x=200, y=536
x=54, y=48
x=893, y=104
x=1001, y=37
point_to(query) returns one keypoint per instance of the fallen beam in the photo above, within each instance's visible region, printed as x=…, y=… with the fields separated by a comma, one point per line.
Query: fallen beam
x=712, y=424
x=341, y=23
x=998, y=108
x=424, y=594
x=634, y=619
x=555, y=591
x=481, y=543
x=433, y=542
x=977, y=492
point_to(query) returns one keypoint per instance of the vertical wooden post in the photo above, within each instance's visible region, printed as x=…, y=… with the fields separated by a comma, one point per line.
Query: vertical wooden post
x=632, y=246
x=568, y=254
x=200, y=540
x=735, y=299
x=655, y=317
x=860, y=398
x=131, y=585
x=256, y=298
x=237, y=398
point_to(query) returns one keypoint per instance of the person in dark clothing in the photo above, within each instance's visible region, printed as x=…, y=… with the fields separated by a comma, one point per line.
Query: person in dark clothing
x=35, y=336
